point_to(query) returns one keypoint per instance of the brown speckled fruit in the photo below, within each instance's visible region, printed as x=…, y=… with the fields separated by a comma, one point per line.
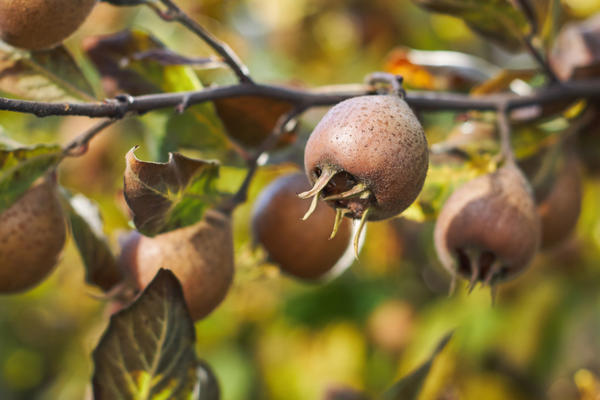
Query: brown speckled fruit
x=300, y=248
x=489, y=230
x=32, y=235
x=200, y=255
x=368, y=153
x=559, y=209
x=41, y=24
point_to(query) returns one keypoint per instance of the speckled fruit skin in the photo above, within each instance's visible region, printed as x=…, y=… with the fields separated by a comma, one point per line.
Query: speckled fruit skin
x=495, y=214
x=41, y=24
x=200, y=255
x=32, y=235
x=378, y=140
x=301, y=248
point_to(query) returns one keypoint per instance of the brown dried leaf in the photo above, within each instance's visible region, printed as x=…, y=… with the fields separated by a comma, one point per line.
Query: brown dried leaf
x=250, y=119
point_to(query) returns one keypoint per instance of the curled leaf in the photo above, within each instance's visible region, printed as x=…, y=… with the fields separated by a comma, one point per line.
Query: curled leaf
x=167, y=196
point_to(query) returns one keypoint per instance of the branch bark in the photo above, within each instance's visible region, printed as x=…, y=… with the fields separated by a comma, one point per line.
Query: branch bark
x=306, y=98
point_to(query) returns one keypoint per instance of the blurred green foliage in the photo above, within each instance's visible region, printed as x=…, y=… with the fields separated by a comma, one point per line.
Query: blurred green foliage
x=278, y=339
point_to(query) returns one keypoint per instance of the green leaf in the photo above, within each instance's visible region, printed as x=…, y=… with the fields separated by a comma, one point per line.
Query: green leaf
x=147, y=352
x=21, y=166
x=87, y=228
x=172, y=195
x=122, y=60
x=497, y=20
x=125, y=65
x=409, y=387
x=49, y=75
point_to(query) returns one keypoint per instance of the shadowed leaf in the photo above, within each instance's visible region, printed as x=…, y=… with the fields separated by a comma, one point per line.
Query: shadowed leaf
x=87, y=228
x=147, y=352
x=49, y=75
x=409, y=387
x=21, y=166
x=497, y=20
x=167, y=196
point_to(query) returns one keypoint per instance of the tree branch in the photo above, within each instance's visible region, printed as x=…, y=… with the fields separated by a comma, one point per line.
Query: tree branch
x=326, y=96
x=174, y=13
x=529, y=11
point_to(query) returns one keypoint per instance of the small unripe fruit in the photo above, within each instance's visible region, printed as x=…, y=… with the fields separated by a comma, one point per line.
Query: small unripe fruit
x=300, y=248
x=200, y=255
x=489, y=230
x=373, y=149
x=32, y=235
x=41, y=24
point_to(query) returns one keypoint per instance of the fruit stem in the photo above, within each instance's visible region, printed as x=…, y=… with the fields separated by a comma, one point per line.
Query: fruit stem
x=339, y=216
x=361, y=226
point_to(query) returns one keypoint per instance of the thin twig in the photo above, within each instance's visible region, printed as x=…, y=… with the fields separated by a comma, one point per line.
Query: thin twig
x=78, y=146
x=505, y=134
x=174, y=13
x=529, y=11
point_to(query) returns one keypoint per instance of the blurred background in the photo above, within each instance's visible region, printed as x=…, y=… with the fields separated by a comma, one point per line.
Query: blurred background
x=276, y=338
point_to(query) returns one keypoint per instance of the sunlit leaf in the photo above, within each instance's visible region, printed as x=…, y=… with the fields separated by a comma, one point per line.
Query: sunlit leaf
x=21, y=166
x=409, y=387
x=497, y=20
x=167, y=196
x=49, y=75
x=87, y=228
x=136, y=63
x=147, y=352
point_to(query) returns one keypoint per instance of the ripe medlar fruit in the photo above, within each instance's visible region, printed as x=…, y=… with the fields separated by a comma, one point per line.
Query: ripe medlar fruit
x=200, y=255
x=300, y=248
x=489, y=230
x=559, y=209
x=32, y=235
x=41, y=24
x=367, y=158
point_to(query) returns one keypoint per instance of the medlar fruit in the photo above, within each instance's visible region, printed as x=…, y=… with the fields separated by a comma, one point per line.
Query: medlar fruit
x=489, y=230
x=32, y=235
x=367, y=158
x=559, y=209
x=41, y=24
x=200, y=255
x=300, y=248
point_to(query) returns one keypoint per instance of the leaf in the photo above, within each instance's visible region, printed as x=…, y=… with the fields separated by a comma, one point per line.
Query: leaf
x=21, y=166
x=497, y=20
x=128, y=63
x=87, y=228
x=49, y=75
x=147, y=352
x=167, y=196
x=409, y=387
x=501, y=81
x=249, y=120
